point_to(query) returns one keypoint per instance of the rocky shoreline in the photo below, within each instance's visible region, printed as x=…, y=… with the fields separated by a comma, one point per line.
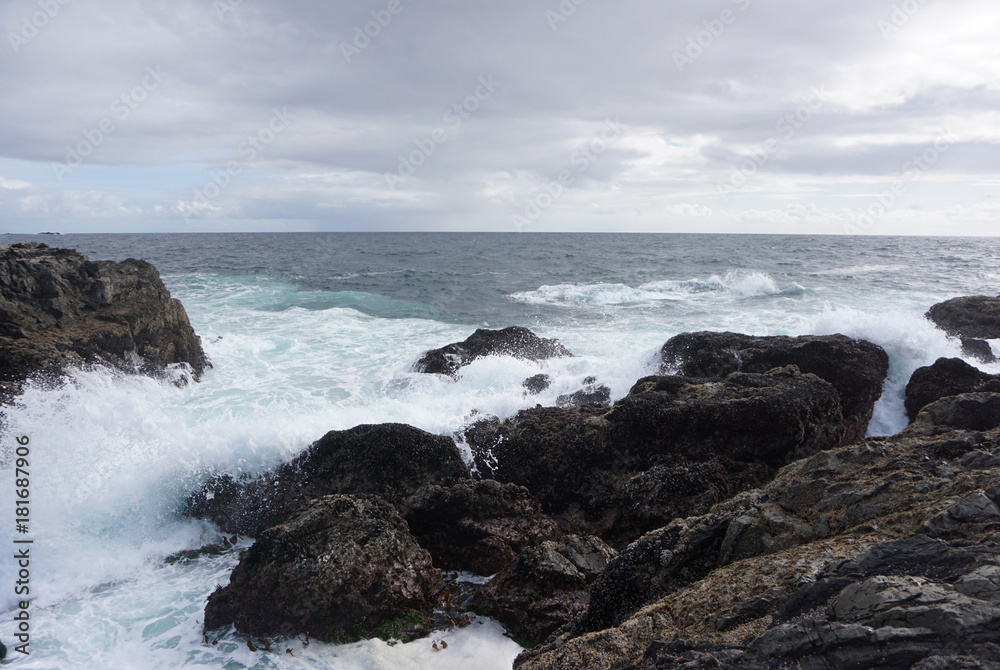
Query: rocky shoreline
x=728, y=512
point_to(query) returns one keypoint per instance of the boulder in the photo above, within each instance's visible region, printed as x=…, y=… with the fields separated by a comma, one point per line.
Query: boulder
x=545, y=587
x=975, y=316
x=856, y=368
x=390, y=460
x=688, y=435
x=340, y=569
x=514, y=341
x=59, y=310
x=476, y=526
x=945, y=377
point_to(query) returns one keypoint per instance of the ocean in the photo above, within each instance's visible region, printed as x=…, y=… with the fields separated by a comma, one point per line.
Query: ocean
x=314, y=332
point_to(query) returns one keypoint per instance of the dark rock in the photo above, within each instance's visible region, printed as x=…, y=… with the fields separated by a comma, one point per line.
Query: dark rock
x=536, y=384
x=653, y=566
x=967, y=411
x=770, y=418
x=476, y=526
x=59, y=310
x=591, y=394
x=512, y=341
x=946, y=377
x=653, y=498
x=544, y=588
x=684, y=433
x=337, y=571
x=856, y=368
x=391, y=460
x=882, y=554
x=976, y=316
x=692, y=656
x=978, y=349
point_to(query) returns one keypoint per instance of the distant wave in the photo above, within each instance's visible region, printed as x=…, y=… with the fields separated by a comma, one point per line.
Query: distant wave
x=740, y=285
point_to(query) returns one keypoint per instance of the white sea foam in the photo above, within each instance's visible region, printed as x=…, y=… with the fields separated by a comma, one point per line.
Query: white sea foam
x=734, y=285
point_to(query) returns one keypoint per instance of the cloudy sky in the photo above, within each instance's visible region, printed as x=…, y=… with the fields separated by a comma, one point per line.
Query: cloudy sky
x=858, y=116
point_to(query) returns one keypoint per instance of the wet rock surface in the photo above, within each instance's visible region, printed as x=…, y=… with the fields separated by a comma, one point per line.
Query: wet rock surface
x=691, y=444
x=545, y=587
x=856, y=368
x=337, y=571
x=59, y=310
x=974, y=316
x=476, y=526
x=390, y=460
x=945, y=377
x=514, y=341
x=882, y=554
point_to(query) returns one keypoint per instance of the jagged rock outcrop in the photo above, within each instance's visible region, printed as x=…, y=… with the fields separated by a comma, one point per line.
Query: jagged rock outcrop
x=476, y=526
x=945, y=377
x=337, y=570
x=544, y=588
x=881, y=554
x=390, y=460
x=514, y=341
x=686, y=433
x=973, y=316
x=60, y=310
x=856, y=368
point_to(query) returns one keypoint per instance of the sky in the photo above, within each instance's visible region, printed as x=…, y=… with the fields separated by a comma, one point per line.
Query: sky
x=754, y=116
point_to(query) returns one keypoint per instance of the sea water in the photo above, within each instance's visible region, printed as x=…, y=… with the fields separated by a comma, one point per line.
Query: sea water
x=315, y=332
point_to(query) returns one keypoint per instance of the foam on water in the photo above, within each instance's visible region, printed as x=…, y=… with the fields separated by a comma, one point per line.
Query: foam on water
x=733, y=285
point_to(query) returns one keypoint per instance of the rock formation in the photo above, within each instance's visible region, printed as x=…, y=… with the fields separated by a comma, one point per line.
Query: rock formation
x=513, y=341
x=390, y=460
x=946, y=377
x=337, y=570
x=882, y=554
x=685, y=443
x=59, y=310
x=856, y=368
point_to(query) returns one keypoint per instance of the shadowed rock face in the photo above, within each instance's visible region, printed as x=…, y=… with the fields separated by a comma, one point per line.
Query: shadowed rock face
x=59, y=310
x=975, y=316
x=477, y=526
x=946, y=377
x=684, y=443
x=513, y=341
x=856, y=368
x=337, y=570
